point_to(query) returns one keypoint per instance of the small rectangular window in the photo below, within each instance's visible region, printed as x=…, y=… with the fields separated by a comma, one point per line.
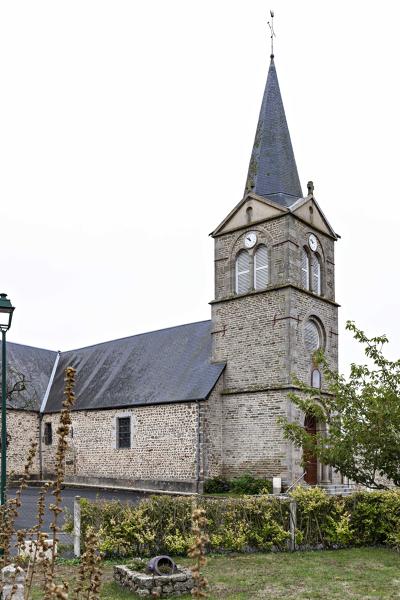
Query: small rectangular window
x=124, y=432
x=48, y=434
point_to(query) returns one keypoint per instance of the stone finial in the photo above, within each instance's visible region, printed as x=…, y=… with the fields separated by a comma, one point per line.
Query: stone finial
x=310, y=188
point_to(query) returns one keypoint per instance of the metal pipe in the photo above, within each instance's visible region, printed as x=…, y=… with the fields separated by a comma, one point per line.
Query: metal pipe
x=293, y=484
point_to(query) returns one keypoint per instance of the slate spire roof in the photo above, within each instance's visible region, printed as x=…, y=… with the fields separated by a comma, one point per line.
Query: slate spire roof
x=272, y=170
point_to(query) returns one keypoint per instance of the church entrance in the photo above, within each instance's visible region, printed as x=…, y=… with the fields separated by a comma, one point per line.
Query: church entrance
x=310, y=460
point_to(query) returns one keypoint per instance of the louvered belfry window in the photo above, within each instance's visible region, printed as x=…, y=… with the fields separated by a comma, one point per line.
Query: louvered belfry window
x=261, y=268
x=242, y=273
x=316, y=274
x=305, y=269
x=312, y=336
x=124, y=432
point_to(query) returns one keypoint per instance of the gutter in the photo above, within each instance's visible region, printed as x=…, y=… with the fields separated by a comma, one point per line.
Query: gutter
x=43, y=408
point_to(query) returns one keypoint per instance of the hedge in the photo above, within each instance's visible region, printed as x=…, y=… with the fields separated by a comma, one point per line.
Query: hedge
x=162, y=524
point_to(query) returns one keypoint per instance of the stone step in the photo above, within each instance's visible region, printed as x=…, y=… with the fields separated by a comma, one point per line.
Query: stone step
x=336, y=490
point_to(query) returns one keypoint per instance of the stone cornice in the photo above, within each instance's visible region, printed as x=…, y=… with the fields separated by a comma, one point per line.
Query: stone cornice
x=274, y=288
x=273, y=388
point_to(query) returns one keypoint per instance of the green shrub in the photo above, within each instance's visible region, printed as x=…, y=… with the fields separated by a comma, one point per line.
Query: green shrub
x=162, y=524
x=216, y=485
x=245, y=485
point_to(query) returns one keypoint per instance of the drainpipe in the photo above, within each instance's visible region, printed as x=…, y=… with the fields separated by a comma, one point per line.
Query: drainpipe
x=40, y=447
x=42, y=409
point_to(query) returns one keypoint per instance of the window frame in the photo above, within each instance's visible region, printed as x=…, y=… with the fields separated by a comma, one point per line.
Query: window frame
x=265, y=267
x=305, y=253
x=316, y=260
x=320, y=330
x=128, y=444
x=48, y=433
x=242, y=252
x=316, y=370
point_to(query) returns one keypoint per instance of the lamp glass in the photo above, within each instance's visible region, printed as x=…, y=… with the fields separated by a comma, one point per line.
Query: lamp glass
x=5, y=318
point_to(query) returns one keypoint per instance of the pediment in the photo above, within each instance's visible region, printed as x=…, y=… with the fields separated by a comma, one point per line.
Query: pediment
x=260, y=208
x=308, y=210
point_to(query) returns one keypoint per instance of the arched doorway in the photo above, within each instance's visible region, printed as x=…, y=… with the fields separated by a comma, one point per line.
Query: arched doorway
x=310, y=459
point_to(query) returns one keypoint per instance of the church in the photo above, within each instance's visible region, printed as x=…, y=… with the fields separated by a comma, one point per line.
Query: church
x=168, y=409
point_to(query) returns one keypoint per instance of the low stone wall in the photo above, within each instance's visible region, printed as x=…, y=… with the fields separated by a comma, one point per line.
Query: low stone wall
x=161, y=586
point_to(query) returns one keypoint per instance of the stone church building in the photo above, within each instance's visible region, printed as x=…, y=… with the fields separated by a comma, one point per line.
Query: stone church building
x=171, y=408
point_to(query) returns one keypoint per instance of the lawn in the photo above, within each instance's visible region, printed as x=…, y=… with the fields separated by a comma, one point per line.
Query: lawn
x=357, y=574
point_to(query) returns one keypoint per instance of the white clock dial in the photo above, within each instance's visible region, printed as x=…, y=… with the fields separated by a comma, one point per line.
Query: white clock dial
x=250, y=239
x=313, y=242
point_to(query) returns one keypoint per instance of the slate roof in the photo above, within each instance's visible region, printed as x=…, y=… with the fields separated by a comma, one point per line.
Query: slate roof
x=272, y=171
x=36, y=365
x=165, y=366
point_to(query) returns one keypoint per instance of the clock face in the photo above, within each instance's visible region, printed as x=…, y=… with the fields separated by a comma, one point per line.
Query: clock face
x=313, y=242
x=250, y=239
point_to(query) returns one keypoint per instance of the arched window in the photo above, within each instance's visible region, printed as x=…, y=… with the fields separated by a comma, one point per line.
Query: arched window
x=305, y=269
x=312, y=336
x=316, y=274
x=316, y=378
x=261, y=268
x=242, y=272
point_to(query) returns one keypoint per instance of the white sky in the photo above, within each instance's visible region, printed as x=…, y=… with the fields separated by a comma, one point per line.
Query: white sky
x=126, y=129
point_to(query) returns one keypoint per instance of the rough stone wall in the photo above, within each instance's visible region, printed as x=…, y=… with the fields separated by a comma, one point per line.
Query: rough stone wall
x=252, y=439
x=261, y=337
x=212, y=423
x=303, y=307
x=22, y=428
x=163, y=444
x=272, y=233
x=250, y=335
x=298, y=233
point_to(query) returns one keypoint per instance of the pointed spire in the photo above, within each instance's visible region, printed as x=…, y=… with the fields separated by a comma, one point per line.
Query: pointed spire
x=272, y=170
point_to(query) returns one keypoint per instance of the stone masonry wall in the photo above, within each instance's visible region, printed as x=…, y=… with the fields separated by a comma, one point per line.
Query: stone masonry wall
x=260, y=335
x=22, y=428
x=250, y=335
x=212, y=424
x=253, y=440
x=163, y=444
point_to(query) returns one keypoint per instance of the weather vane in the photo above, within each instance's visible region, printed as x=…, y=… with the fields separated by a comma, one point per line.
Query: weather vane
x=271, y=26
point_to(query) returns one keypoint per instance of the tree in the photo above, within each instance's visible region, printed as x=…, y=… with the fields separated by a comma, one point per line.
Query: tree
x=358, y=417
x=20, y=391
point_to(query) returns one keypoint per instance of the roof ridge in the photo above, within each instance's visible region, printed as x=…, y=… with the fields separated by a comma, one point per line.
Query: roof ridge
x=30, y=346
x=135, y=335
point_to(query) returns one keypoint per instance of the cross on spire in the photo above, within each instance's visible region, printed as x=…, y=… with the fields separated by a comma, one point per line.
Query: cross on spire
x=271, y=27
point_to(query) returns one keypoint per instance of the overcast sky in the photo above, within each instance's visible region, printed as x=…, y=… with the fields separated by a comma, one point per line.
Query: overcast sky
x=126, y=129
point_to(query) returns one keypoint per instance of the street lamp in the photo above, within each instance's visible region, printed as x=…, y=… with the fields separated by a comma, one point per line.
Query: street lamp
x=6, y=313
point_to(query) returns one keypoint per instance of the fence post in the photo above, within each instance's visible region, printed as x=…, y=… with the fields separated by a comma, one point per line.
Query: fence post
x=293, y=524
x=77, y=526
x=276, y=485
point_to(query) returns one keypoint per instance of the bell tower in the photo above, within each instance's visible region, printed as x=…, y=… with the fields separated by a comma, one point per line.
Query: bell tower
x=274, y=301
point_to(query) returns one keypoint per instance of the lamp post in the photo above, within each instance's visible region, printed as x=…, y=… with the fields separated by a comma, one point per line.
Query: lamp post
x=6, y=313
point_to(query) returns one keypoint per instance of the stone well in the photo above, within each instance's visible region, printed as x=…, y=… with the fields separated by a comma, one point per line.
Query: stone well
x=154, y=586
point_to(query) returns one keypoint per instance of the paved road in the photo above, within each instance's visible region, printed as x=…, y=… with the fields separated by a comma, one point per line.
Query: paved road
x=28, y=510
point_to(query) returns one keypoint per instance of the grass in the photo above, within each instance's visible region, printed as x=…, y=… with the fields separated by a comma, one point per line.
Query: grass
x=356, y=574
